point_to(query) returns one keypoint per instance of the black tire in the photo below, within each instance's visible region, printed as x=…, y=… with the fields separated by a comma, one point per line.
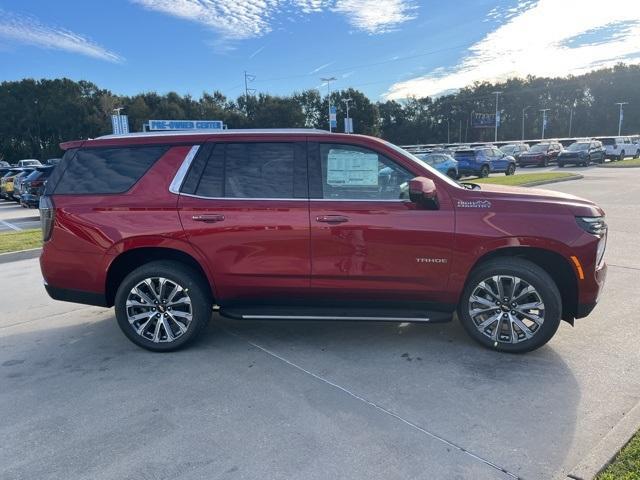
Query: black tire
x=484, y=171
x=511, y=169
x=534, y=276
x=545, y=162
x=622, y=155
x=193, y=284
x=637, y=155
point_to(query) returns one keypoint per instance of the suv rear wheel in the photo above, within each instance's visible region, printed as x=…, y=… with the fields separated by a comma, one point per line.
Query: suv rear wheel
x=162, y=306
x=484, y=171
x=510, y=304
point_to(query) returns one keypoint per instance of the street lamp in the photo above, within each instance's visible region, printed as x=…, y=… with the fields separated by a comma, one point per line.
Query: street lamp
x=620, y=104
x=328, y=82
x=523, y=111
x=544, y=119
x=497, y=94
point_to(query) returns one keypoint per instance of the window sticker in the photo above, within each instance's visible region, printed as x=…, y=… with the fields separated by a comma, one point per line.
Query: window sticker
x=350, y=168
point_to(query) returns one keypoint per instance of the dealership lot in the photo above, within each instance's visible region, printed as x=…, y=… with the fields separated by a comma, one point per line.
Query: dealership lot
x=317, y=400
x=15, y=218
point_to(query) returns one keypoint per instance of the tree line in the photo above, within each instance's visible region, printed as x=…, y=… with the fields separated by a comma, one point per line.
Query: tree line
x=36, y=115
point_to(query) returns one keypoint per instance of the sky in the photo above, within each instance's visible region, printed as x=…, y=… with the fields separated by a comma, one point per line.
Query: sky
x=389, y=49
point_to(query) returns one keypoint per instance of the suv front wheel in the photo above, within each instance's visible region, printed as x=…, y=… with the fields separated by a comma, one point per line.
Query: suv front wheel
x=510, y=304
x=162, y=305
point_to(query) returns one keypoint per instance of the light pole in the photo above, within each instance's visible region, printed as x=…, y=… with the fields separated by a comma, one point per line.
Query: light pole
x=544, y=119
x=347, y=127
x=448, y=132
x=328, y=82
x=620, y=104
x=523, y=111
x=571, y=116
x=497, y=94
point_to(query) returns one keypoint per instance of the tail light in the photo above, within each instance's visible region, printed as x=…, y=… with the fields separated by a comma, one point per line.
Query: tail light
x=47, y=213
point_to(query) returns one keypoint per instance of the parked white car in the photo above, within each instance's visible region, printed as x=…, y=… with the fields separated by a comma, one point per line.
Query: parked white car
x=29, y=162
x=617, y=148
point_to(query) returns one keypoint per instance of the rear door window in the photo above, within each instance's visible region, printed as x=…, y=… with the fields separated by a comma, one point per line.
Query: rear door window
x=96, y=171
x=250, y=170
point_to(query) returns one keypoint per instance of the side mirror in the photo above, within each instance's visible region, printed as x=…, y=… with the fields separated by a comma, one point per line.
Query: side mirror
x=422, y=191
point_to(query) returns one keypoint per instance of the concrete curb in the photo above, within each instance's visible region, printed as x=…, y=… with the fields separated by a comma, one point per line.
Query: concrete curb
x=617, y=166
x=576, y=176
x=606, y=449
x=20, y=255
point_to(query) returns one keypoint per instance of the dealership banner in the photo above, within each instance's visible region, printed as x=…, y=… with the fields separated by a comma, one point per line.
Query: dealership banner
x=483, y=120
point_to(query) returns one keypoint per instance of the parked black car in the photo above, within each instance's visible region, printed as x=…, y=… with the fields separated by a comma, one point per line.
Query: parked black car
x=582, y=153
x=515, y=149
x=33, y=186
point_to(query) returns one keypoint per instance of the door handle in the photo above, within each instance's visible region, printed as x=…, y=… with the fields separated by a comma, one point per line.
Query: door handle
x=331, y=219
x=208, y=218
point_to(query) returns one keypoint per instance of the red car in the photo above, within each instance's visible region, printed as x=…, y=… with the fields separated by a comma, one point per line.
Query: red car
x=540, y=154
x=309, y=225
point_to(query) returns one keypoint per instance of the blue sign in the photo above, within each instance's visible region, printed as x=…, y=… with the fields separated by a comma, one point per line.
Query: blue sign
x=333, y=121
x=186, y=125
x=484, y=120
x=120, y=124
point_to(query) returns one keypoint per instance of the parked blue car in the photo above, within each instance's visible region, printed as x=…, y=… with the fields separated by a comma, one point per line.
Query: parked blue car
x=482, y=161
x=443, y=162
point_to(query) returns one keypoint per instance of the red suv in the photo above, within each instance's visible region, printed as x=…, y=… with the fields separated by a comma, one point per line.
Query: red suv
x=309, y=225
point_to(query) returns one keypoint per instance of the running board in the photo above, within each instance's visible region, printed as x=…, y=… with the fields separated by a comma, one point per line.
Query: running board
x=334, y=314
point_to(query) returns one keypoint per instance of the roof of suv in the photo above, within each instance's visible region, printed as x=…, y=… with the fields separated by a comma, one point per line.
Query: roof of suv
x=189, y=136
x=248, y=131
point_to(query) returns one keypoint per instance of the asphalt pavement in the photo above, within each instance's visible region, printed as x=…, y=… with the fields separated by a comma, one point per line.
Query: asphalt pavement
x=13, y=217
x=311, y=400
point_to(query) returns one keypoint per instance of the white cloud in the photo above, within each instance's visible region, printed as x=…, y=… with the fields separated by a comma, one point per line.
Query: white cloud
x=242, y=19
x=321, y=67
x=30, y=31
x=375, y=16
x=541, y=39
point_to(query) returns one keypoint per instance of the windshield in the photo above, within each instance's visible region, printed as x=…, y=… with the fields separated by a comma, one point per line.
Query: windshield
x=426, y=157
x=576, y=147
x=539, y=148
x=508, y=149
x=423, y=164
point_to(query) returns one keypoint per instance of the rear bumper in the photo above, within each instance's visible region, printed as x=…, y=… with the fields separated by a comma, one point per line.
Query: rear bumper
x=76, y=296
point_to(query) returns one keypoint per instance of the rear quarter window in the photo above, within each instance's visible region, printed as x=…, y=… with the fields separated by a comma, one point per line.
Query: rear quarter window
x=106, y=170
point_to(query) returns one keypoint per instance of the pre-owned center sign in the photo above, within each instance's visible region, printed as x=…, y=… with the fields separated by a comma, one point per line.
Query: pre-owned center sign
x=186, y=125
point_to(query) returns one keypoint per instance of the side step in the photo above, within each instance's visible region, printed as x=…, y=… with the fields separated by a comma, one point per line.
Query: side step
x=335, y=314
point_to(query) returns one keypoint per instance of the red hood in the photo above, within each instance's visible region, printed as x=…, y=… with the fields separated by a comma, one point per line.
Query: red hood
x=537, y=196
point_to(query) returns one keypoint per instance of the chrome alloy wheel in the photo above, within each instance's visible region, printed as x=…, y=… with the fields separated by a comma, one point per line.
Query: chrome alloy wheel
x=506, y=309
x=159, y=309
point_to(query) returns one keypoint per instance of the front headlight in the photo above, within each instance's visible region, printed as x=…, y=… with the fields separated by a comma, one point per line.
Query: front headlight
x=598, y=227
x=594, y=225
x=602, y=245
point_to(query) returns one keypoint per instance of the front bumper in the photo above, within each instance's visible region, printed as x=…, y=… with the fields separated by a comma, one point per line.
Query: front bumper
x=29, y=200
x=590, y=298
x=524, y=161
